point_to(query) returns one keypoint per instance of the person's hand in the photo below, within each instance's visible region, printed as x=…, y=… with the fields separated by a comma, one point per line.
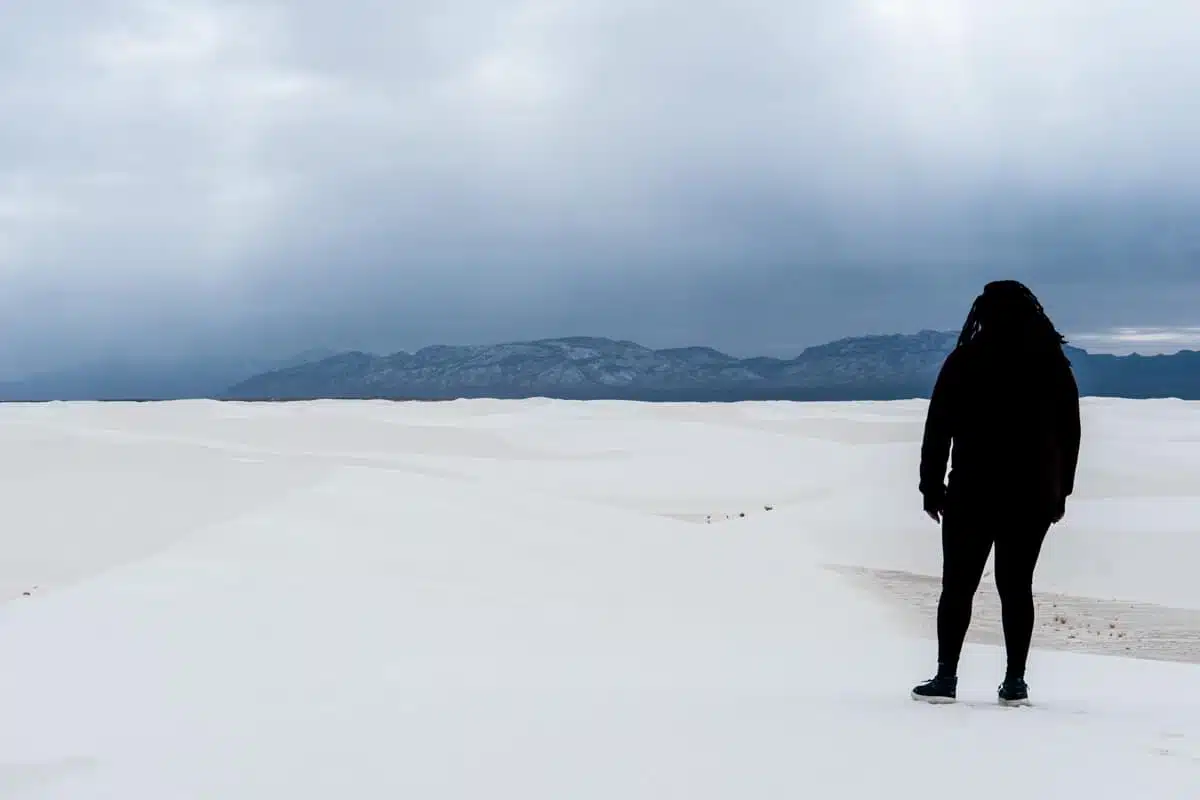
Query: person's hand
x=1059, y=511
x=934, y=507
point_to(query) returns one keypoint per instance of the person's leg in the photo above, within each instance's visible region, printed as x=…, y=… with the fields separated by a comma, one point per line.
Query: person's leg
x=966, y=543
x=1017, y=551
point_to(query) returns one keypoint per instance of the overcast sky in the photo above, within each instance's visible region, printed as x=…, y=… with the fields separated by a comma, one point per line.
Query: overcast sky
x=192, y=177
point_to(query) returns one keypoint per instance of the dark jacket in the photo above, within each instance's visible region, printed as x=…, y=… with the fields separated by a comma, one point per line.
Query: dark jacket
x=1011, y=415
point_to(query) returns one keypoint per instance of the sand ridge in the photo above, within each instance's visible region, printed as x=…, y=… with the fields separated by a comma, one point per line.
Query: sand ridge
x=1064, y=622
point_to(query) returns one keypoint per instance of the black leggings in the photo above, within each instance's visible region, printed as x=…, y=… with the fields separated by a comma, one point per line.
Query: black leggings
x=967, y=539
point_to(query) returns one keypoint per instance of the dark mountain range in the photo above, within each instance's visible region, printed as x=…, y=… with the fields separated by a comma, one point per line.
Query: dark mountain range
x=864, y=368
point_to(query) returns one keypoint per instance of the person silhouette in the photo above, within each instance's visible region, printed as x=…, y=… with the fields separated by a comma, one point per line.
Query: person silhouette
x=1007, y=401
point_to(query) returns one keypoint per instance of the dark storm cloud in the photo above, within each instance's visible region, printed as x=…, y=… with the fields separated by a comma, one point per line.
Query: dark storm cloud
x=262, y=178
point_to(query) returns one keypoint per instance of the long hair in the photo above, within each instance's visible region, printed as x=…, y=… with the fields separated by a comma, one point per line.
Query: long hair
x=1008, y=312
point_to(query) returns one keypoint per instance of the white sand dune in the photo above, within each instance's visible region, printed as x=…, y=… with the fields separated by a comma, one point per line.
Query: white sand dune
x=523, y=599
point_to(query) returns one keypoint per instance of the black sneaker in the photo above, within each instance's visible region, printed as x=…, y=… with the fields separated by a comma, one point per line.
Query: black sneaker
x=939, y=690
x=1013, y=692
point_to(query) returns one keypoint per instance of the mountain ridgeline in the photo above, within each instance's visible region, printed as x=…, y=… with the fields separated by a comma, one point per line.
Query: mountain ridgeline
x=866, y=368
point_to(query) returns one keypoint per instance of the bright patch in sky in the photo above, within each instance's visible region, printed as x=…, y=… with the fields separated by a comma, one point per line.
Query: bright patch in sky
x=1147, y=341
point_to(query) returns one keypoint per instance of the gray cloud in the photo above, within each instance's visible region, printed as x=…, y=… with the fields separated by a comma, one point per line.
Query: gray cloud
x=207, y=177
